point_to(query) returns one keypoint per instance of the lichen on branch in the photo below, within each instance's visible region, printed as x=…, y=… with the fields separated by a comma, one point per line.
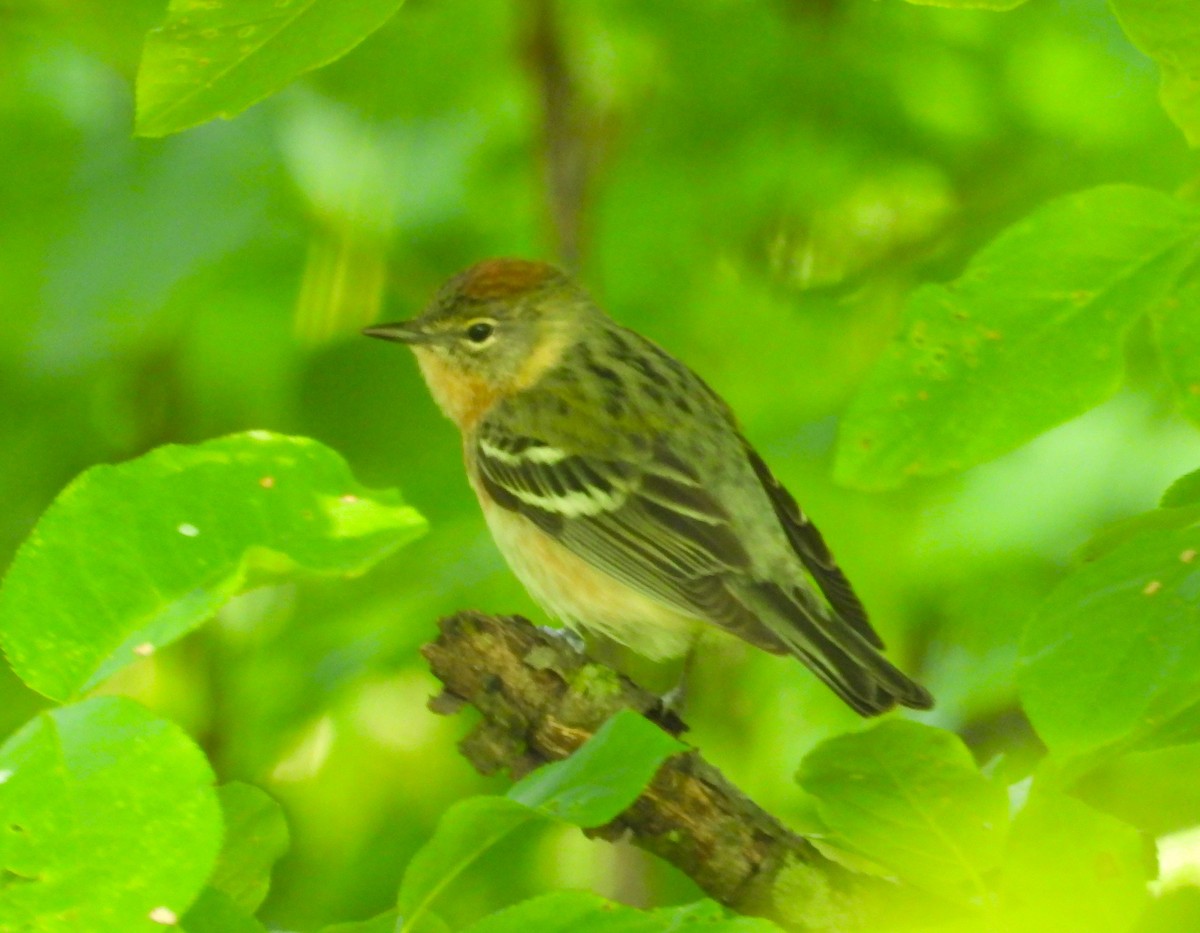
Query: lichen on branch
x=541, y=698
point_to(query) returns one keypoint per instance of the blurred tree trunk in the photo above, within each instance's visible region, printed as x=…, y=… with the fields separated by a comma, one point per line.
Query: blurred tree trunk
x=567, y=152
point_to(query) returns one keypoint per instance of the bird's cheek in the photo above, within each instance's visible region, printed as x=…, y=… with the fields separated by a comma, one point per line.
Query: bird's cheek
x=547, y=354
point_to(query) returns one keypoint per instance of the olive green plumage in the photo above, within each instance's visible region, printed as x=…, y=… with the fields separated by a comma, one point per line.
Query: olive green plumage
x=624, y=456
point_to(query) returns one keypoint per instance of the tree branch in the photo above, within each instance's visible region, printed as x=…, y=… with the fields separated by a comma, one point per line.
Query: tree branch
x=541, y=699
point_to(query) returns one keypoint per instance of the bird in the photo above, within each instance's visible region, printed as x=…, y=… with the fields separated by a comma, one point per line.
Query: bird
x=621, y=490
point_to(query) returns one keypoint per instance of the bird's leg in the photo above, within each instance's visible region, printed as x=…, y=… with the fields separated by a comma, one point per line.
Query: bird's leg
x=674, y=700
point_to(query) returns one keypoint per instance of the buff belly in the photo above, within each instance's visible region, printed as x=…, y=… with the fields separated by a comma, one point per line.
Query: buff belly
x=572, y=590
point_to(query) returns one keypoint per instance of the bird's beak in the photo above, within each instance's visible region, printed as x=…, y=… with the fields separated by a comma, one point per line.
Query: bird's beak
x=401, y=332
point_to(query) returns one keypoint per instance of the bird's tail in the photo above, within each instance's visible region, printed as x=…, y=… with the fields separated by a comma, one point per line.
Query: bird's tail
x=836, y=651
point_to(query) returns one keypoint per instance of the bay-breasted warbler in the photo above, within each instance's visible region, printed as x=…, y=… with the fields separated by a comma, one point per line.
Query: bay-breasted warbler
x=619, y=487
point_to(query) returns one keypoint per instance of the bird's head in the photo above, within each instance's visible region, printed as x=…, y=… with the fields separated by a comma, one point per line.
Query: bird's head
x=491, y=330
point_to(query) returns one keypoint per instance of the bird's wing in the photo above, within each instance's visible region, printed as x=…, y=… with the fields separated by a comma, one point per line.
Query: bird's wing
x=840, y=646
x=810, y=547
x=647, y=520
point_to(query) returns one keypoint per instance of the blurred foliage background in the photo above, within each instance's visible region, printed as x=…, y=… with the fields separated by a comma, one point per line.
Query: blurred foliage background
x=755, y=185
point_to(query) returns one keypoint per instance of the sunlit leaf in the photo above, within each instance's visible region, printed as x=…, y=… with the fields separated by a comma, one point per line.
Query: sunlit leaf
x=589, y=788
x=465, y=832
x=998, y=5
x=1172, y=911
x=384, y=923
x=708, y=916
x=1177, y=333
x=604, y=777
x=108, y=819
x=1069, y=867
x=1113, y=654
x=1155, y=790
x=1169, y=32
x=130, y=557
x=910, y=798
x=256, y=835
x=214, y=58
x=1030, y=336
x=1183, y=492
x=216, y=912
x=1155, y=520
x=582, y=912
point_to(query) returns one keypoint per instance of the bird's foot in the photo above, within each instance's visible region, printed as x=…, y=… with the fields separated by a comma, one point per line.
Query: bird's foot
x=675, y=699
x=565, y=635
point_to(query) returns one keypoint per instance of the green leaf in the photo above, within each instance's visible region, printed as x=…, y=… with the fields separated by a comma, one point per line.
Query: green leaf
x=384, y=923
x=589, y=788
x=256, y=835
x=107, y=815
x=1183, y=492
x=910, y=798
x=604, y=776
x=567, y=912
x=1118, y=533
x=582, y=912
x=130, y=557
x=1031, y=335
x=707, y=916
x=1180, y=508
x=999, y=6
x=1113, y=653
x=214, y=58
x=1171, y=912
x=216, y=912
x=464, y=833
x=1177, y=333
x=1154, y=790
x=1069, y=867
x=1169, y=32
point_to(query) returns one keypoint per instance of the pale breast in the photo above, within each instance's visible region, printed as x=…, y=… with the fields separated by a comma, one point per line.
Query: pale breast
x=582, y=597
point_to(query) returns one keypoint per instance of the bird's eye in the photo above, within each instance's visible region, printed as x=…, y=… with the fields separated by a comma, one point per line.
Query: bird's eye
x=480, y=331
